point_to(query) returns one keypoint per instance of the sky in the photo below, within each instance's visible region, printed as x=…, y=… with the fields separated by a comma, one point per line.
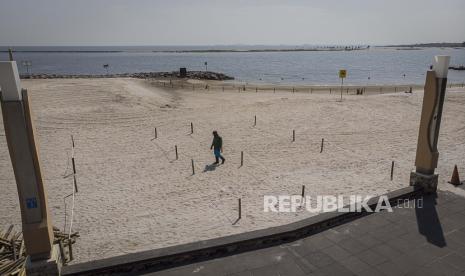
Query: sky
x=222, y=22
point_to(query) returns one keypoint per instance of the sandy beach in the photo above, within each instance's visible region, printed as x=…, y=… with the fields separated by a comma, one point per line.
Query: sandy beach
x=133, y=194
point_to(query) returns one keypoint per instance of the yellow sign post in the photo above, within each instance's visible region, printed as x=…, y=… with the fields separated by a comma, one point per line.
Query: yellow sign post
x=342, y=75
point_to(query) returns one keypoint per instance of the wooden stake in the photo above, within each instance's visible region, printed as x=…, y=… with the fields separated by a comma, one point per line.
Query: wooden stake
x=192, y=128
x=74, y=165
x=255, y=120
x=62, y=251
x=392, y=170
x=293, y=135
x=72, y=140
x=70, y=249
x=74, y=174
x=274, y=89
x=322, y=144
x=239, y=208
x=75, y=183
x=13, y=246
x=303, y=191
x=176, y=151
x=156, y=134
x=242, y=158
x=256, y=89
x=193, y=168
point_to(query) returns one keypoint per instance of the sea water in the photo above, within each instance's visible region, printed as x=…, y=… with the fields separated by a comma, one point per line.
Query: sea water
x=372, y=66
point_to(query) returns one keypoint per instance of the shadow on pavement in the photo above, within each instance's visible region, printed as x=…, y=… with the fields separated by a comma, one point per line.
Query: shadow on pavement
x=428, y=221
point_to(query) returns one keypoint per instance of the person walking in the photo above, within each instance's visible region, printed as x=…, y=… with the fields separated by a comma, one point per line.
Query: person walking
x=217, y=146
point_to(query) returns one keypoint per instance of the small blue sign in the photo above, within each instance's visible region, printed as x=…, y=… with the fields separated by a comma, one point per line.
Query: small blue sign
x=31, y=203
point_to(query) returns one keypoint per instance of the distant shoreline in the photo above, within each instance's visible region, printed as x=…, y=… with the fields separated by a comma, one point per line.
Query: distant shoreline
x=316, y=49
x=430, y=45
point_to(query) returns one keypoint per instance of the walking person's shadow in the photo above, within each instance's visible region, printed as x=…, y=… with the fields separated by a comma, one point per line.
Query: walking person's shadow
x=210, y=168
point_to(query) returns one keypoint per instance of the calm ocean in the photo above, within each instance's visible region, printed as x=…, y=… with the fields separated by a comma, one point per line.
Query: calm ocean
x=364, y=67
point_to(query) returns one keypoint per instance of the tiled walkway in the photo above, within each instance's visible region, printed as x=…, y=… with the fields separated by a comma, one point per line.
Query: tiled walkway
x=408, y=241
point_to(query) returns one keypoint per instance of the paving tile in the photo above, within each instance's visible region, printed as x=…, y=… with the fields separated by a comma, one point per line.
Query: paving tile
x=265, y=271
x=243, y=273
x=437, y=251
x=414, y=238
x=335, y=269
x=289, y=267
x=336, y=252
x=252, y=260
x=319, y=259
x=386, y=250
x=305, y=265
x=355, y=246
x=451, y=224
x=369, y=272
x=458, y=249
x=402, y=245
x=389, y=232
x=302, y=248
x=318, y=241
x=354, y=264
x=406, y=263
x=389, y=268
x=422, y=256
x=424, y=271
x=371, y=257
x=334, y=236
x=367, y=240
x=441, y=268
x=455, y=260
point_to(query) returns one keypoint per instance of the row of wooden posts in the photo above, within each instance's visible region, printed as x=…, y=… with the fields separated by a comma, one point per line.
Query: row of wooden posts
x=242, y=163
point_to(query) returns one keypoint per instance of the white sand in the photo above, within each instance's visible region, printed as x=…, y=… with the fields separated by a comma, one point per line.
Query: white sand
x=134, y=196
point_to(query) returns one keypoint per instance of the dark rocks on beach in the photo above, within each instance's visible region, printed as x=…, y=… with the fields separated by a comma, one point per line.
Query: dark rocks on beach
x=200, y=75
